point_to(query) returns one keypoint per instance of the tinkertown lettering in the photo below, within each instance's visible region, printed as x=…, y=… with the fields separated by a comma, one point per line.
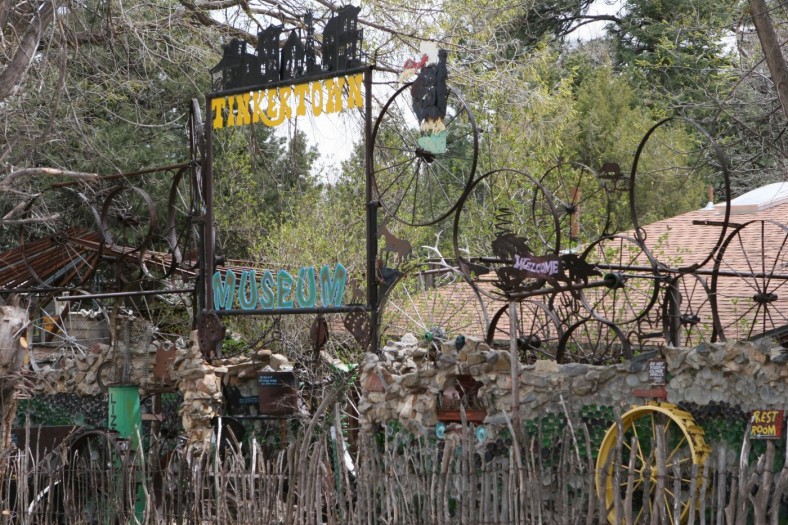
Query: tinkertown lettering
x=282, y=291
x=272, y=107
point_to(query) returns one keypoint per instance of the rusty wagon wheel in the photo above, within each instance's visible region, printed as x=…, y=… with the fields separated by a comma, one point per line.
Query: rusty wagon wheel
x=749, y=282
x=59, y=241
x=632, y=280
x=417, y=186
x=538, y=330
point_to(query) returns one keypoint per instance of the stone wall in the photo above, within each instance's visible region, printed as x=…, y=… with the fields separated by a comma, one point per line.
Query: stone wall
x=408, y=381
x=199, y=382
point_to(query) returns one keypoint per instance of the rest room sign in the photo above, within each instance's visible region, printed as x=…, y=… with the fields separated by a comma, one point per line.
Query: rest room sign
x=766, y=424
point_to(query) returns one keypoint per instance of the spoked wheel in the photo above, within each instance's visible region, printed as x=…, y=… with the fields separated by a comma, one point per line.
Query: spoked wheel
x=416, y=186
x=166, y=316
x=581, y=201
x=61, y=244
x=687, y=314
x=440, y=308
x=182, y=227
x=496, y=223
x=632, y=281
x=67, y=328
x=99, y=479
x=537, y=330
x=749, y=281
x=128, y=225
x=673, y=166
x=652, y=435
x=593, y=341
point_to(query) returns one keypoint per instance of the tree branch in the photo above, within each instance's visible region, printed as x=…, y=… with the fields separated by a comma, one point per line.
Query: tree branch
x=49, y=172
x=27, y=47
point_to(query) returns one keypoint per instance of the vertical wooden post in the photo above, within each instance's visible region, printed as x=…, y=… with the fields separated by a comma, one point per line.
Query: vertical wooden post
x=13, y=321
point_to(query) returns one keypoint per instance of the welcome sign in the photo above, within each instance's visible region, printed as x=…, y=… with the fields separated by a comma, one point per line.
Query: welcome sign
x=270, y=291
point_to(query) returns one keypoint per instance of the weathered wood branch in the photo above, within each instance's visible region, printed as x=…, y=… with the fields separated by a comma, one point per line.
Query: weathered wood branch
x=771, y=49
x=28, y=44
x=16, y=175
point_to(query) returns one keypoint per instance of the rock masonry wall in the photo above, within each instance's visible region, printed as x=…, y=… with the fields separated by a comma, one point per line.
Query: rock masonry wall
x=199, y=382
x=408, y=382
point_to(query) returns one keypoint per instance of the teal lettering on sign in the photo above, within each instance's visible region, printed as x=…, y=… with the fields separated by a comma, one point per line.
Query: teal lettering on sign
x=223, y=291
x=332, y=289
x=306, y=277
x=267, y=299
x=282, y=291
x=284, y=286
x=248, y=281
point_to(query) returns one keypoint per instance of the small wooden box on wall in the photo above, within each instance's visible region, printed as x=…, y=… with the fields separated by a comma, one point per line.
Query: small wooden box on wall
x=464, y=393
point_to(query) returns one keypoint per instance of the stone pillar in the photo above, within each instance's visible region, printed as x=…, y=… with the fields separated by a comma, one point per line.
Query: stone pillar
x=202, y=395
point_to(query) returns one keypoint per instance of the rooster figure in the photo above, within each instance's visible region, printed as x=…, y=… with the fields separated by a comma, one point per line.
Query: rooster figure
x=429, y=94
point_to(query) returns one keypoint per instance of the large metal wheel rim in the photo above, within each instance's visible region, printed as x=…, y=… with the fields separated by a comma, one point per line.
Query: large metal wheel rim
x=693, y=438
x=463, y=259
x=761, y=288
x=385, y=202
x=538, y=329
x=567, y=209
x=636, y=304
x=723, y=165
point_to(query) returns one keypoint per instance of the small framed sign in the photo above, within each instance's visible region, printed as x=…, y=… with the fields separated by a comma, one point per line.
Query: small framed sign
x=766, y=424
x=657, y=372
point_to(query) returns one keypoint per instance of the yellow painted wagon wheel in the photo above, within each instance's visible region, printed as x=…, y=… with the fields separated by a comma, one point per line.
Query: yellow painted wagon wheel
x=684, y=445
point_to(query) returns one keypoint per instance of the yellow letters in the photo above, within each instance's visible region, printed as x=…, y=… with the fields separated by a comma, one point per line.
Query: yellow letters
x=354, y=98
x=334, y=88
x=217, y=106
x=273, y=106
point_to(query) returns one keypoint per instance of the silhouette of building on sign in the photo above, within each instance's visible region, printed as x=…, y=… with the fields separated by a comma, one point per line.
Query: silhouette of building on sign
x=341, y=39
x=292, y=57
x=297, y=57
x=268, y=52
x=309, y=44
x=237, y=66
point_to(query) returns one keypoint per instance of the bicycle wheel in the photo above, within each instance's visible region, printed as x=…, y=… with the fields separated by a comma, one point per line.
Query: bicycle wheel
x=648, y=433
x=687, y=316
x=674, y=165
x=581, y=201
x=593, y=341
x=496, y=223
x=414, y=185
